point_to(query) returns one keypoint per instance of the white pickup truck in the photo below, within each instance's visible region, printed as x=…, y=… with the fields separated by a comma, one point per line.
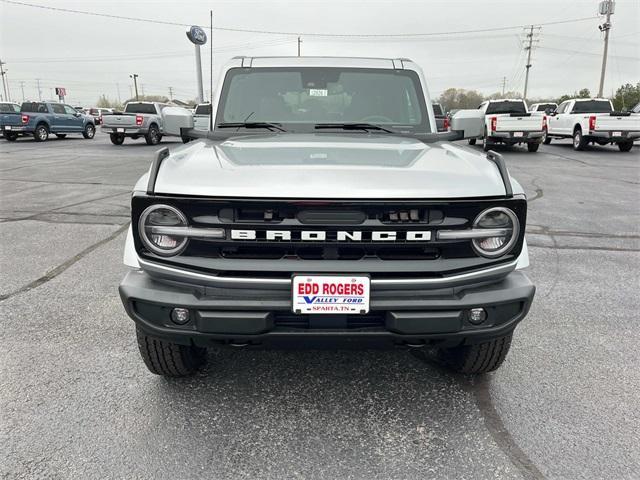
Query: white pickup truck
x=593, y=120
x=508, y=121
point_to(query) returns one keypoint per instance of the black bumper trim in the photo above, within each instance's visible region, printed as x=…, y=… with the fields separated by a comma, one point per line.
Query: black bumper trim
x=250, y=316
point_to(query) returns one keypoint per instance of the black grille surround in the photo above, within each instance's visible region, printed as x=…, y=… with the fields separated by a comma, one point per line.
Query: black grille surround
x=280, y=258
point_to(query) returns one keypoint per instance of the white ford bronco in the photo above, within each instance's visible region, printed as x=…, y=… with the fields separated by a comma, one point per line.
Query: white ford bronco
x=323, y=208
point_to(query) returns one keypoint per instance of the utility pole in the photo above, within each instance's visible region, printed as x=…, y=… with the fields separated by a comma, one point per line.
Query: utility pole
x=22, y=88
x=299, y=43
x=504, y=83
x=170, y=93
x=39, y=89
x=5, y=87
x=528, y=65
x=135, y=83
x=606, y=7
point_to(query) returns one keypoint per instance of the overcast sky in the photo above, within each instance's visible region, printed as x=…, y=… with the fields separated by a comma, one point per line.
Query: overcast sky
x=92, y=55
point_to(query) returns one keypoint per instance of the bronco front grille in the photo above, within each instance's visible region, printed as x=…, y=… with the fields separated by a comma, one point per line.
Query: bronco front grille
x=356, y=234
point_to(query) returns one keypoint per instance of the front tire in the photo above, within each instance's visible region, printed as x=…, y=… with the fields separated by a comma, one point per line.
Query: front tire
x=479, y=358
x=153, y=136
x=546, y=139
x=533, y=147
x=579, y=141
x=116, y=138
x=89, y=131
x=169, y=359
x=625, y=146
x=41, y=133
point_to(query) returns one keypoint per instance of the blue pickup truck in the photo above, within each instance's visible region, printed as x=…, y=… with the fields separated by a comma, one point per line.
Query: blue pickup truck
x=43, y=118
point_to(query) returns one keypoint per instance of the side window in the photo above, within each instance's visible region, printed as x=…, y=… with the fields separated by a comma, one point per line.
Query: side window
x=69, y=110
x=562, y=107
x=57, y=108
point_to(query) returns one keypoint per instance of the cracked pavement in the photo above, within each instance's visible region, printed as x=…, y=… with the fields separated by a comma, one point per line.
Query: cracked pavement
x=77, y=402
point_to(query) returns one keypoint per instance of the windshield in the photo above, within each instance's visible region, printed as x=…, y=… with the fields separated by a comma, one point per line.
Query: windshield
x=544, y=106
x=9, y=108
x=506, y=107
x=140, y=108
x=592, y=106
x=300, y=98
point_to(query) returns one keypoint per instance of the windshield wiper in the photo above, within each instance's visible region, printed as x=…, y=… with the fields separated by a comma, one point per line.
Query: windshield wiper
x=353, y=126
x=268, y=125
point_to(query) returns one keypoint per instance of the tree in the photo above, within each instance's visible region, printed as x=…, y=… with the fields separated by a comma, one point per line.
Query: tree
x=458, y=98
x=499, y=95
x=105, y=102
x=584, y=93
x=626, y=97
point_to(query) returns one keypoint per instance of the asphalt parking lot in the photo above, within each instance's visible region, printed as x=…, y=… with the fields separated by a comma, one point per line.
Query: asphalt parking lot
x=76, y=401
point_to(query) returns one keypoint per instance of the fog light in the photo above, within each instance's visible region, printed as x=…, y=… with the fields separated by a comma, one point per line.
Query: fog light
x=180, y=316
x=477, y=315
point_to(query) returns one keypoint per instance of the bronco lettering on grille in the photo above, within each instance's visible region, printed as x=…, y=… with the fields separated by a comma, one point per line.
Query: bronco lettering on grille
x=334, y=236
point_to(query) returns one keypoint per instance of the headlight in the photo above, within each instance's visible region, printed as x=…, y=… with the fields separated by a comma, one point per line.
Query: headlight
x=497, y=219
x=150, y=227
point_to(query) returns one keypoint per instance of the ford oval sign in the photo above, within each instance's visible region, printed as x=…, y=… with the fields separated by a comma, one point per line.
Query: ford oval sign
x=197, y=35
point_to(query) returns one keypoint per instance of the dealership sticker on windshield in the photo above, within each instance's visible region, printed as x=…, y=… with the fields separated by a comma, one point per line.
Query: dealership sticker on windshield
x=331, y=294
x=318, y=92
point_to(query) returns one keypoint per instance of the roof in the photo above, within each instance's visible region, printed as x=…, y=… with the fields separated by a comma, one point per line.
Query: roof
x=357, y=62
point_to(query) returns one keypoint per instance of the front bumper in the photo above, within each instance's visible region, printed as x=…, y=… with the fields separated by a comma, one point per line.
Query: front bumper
x=257, y=315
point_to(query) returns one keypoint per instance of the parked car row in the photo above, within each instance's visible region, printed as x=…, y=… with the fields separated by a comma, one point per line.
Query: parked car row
x=40, y=119
x=584, y=120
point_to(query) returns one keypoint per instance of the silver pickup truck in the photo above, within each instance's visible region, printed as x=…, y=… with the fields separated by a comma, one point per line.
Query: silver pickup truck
x=325, y=208
x=140, y=119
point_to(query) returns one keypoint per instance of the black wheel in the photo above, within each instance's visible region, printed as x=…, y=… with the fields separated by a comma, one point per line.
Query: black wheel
x=578, y=140
x=90, y=131
x=479, y=358
x=186, y=139
x=625, y=146
x=169, y=359
x=12, y=137
x=486, y=145
x=472, y=141
x=61, y=135
x=41, y=133
x=546, y=139
x=533, y=146
x=153, y=136
x=116, y=138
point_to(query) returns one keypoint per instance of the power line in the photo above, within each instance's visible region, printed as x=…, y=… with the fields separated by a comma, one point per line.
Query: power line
x=308, y=34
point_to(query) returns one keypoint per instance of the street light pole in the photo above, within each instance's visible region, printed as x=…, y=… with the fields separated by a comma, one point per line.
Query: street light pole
x=135, y=83
x=606, y=7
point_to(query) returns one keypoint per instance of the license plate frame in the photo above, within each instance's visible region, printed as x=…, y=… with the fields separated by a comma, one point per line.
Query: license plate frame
x=120, y=130
x=7, y=127
x=616, y=134
x=331, y=300
x=518, y=134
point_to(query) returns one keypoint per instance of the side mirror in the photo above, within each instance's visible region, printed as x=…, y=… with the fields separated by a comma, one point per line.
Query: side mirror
x=177, y=119
x=469, y=122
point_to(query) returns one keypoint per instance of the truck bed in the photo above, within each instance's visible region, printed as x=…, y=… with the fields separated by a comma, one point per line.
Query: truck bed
x=519, y=123
x=622, y=123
